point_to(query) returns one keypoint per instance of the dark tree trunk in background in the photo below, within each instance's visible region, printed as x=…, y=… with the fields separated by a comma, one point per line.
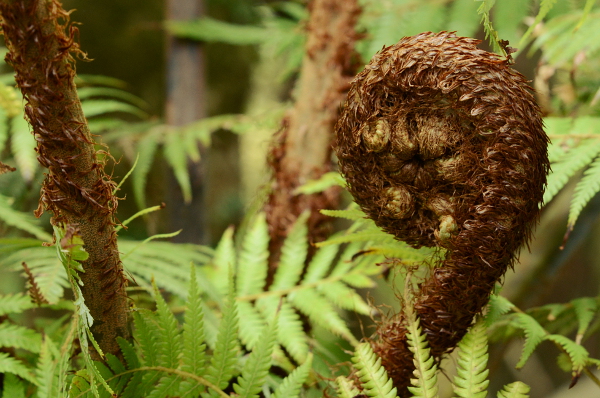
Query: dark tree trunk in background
x=186, y=102
x=302, y=149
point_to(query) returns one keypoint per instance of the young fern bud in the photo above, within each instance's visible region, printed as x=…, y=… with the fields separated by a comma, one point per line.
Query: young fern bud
x=464, y=169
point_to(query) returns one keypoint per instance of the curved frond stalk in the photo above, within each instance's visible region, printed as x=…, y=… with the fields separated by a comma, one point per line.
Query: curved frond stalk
x=425, y=383
x=372, y=374
x=471, y=379
x=256, y=368
x=425, y=145
x=514, y=390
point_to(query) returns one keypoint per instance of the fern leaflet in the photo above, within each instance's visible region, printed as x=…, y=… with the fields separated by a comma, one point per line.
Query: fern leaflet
x=290, y=386
x=293, y=255
x=471, y=378
x=425, y=382
x=14, y=303
x=224, y=359
x=346, y=388
x=20, y=337
x=514, y=390
x=13, y=387
x=577, y=353
x=576, y=159
x=252, y=261
x=545, y=8
x=585, y=190
x=9, y=364
x=256, y=368
x=585, y=309
x=372, y=375
x=146, y=149
x=193, y=354
x=534, y=335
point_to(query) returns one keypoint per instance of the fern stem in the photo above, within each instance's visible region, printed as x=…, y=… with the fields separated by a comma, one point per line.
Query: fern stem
x=76, y=190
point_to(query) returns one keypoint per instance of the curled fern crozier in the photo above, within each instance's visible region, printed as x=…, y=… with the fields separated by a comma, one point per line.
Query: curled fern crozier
x=442, y=145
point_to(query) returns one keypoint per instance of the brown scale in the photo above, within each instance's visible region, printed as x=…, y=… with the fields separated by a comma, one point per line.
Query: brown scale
x=441, y=130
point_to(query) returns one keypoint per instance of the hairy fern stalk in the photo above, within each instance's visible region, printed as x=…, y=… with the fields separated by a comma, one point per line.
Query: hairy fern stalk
x=442, y=145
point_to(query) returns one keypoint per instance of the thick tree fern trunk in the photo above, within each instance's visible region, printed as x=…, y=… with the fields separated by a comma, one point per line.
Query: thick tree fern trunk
x=76, y=190
x=302, y=150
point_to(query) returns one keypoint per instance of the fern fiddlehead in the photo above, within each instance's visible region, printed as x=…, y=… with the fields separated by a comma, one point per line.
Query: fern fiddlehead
x=442, y=145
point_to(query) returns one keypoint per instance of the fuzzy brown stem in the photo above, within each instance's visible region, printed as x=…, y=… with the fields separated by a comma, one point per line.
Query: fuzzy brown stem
x=76, y=190
x=302, y=149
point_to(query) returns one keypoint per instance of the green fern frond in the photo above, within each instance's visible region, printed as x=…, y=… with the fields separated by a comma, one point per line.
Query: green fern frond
x=497, y=307
x=290, y=386
x=320, y=264
x=164, y=262
x=145, y=322
x=545, y=7
x=14, y=303
x=578, y=355
x=251, y=323
x=224, y=358
x=252, y=261
x=47, y=379
x=514, y=390
x=168, y=347
x=293, y=255
x=12, y=387
x=374, y=378
x=173, y=147
x=133, y=362
x=23, y=148
x=490, y=33
x=96, y=107
x=223, y=259
x=585, y=309
x=471, y=378
x=589, y=4
x=327, y=180
x=352, y=214
x=85, y=93
x=576, y=159
x=321, y=312
x=586, y=189
x=213, y=30
x=193, y=354
x=345, y=297
x=146, y=148
x=20, y=337
x=534, y=335
x=290, y=330
x=425, y=382
x=257, y=366
x=169, y=341
x=9, y=364
x=21, y=220
x=346, y=389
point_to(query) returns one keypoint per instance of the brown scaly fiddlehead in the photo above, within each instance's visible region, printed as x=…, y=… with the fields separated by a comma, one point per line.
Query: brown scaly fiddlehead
x=76, y=190
x=442, y=145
